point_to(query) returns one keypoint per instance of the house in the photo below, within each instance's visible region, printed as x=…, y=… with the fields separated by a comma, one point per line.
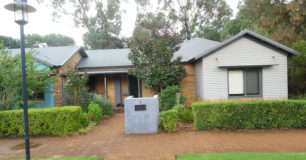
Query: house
x=245, y=66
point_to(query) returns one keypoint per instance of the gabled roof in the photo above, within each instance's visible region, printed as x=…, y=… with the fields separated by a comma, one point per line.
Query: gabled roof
x=189, y=49
x=253, y=35
x=53, y=56
x=106, y=58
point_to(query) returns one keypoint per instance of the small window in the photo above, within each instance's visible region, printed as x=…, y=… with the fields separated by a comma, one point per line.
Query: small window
x=38, y=96
x=244, y=82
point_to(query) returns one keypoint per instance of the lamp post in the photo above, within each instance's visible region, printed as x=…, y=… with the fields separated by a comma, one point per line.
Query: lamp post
x=21, y=9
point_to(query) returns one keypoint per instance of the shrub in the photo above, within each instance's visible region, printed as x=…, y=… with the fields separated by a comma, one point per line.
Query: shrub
x=169, y=120
x=85, y=98
x=105, y=105
x=84, y=119
x=185, y=115
x=250, y=114
x=88, y=128
x=55, y=121
x=95, y=112
x=167, y=98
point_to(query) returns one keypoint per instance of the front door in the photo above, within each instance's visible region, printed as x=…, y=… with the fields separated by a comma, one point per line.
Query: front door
x=118, y=90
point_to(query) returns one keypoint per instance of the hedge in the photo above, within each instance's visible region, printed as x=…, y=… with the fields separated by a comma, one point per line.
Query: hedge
x=55, y=121
x=250, y=114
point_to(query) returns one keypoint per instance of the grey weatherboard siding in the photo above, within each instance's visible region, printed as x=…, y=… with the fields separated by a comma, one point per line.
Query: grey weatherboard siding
x=211, y=78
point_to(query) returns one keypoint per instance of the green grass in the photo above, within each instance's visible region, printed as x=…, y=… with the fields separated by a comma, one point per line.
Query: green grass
x=80, y=158
x=244, y=156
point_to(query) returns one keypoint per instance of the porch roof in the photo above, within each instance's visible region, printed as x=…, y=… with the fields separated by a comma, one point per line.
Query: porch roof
x=106, y=72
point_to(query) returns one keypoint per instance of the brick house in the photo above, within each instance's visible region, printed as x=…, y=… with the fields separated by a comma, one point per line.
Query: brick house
x=245, y=66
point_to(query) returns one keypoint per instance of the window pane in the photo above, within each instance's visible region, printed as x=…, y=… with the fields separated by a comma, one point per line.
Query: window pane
x=252, y=82
x=235, y=81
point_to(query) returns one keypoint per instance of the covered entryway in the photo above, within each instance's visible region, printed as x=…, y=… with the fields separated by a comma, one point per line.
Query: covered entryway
x=114, y=85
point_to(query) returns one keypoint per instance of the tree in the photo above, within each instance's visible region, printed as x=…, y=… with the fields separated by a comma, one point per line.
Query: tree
x=101, y=18
x=9, y=42
x=51, y=40
x=76, y=92
x=282, y=20
x=235, y=26
x=299, y=63
x=58, y=40
x=198, y=17
x=38, y=79
x=154, y=63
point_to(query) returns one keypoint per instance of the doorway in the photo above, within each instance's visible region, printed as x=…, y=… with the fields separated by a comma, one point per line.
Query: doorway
x=135, y=88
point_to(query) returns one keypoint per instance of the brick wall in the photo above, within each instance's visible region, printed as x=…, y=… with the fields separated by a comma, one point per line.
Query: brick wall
x=188, y=85
x=59, y=84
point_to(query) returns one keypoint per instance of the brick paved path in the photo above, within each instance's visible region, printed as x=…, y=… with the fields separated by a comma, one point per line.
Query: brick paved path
x=108, y=140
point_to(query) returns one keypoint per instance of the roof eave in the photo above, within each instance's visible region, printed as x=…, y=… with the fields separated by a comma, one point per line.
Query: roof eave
x=253, y=34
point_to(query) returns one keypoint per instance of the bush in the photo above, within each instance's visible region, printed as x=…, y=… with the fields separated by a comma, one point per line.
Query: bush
x=85, y=99
x=167, y=98
x=185, y=115
x=250, y=114
x=55, y=121
x=95, y=112
x=169, y=120
x=84, y=119
x=88, y=128
x=105, y=105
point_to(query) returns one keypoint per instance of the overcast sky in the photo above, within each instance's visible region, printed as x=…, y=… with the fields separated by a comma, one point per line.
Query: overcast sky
x=41, y=21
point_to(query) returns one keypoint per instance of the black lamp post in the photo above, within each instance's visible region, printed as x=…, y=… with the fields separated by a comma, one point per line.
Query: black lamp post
x=21, y=10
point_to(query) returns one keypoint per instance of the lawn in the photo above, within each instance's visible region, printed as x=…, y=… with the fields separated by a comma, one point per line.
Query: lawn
x=244, y=156
x=80, y=158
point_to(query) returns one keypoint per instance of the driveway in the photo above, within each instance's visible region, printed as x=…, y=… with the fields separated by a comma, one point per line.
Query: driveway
x=108, y=140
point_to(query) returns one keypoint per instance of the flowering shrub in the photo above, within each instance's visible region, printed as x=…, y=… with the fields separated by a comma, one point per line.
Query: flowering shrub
x=38, y=78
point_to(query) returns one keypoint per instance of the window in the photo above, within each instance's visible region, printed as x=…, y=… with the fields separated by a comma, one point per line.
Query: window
x=244, y=82
x=38, y=96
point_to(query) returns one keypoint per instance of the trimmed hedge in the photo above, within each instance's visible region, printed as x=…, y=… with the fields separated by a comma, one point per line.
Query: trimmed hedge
x=55, y=121
x=169, y=120
x=250, y=114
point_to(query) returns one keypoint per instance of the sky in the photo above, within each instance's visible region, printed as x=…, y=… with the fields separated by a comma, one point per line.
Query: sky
x=41, y=21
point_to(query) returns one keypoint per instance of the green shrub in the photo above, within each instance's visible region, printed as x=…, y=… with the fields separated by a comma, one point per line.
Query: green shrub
x=185, y=115
x=84, y=119
x=95, y=112
x=88, y=128
x=167, y=98
x=250, y=114
x=55, y=121
x=169, y=120
x=105, y=104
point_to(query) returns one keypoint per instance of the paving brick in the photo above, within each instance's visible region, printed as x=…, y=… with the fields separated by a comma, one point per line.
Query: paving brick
x=108, y=140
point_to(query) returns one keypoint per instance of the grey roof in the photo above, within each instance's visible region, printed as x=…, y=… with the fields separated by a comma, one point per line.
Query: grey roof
x=106, y=58
x=192, y=48
x=252, y=34
x=53, y=56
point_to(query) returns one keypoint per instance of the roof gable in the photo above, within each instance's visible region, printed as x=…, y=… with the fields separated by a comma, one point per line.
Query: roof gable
x=253, y=35
x=53, y=56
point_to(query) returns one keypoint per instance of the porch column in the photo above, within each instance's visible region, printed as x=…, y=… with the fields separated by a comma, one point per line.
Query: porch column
x=138, y=83
x=105, y=86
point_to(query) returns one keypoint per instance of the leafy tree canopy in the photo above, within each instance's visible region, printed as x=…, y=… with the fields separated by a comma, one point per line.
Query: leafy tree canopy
x=282, y=20
x=198, y=17
x=101, y=18
x=50, y=39
x=299, y=64
x=9, y=42
x=154, y=62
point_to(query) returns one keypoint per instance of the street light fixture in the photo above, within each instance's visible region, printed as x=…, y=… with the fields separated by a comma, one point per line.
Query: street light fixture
x=21, y=9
